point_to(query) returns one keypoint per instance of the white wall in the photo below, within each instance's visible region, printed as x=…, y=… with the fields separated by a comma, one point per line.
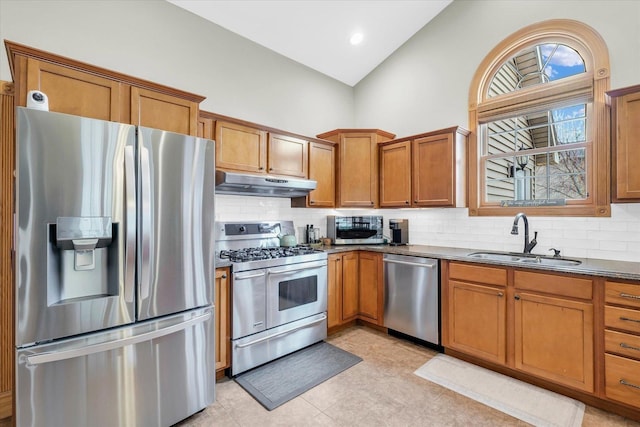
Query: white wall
x=160, y=42
x=423, y=86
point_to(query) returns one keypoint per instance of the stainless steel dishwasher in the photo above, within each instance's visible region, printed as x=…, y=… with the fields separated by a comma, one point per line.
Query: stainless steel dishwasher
x=412, y=296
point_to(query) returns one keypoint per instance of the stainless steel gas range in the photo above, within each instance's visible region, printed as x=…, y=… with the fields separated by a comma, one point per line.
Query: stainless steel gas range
x=279, y=294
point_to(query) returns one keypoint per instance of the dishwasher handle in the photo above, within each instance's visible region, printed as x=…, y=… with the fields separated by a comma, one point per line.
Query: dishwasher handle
x=415, y=264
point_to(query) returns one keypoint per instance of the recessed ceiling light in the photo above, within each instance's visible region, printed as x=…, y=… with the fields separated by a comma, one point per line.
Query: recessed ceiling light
x=356, y=38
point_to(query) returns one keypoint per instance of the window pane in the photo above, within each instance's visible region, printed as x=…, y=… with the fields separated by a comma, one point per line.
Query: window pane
x=561, y=175
x=536, y=65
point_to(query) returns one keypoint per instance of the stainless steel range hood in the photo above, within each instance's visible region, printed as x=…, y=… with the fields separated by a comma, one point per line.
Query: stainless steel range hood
x=262, y=185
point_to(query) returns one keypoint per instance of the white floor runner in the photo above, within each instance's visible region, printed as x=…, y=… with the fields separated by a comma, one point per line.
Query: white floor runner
x=524, y=401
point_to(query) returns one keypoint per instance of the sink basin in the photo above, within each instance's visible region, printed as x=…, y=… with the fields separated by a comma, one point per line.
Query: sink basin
x=525, y=259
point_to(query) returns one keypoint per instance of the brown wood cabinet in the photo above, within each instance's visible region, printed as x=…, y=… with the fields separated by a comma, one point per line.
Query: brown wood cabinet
x=625, y=131
x=240, y=148
x=622, y=342
x=395, y=174
x=370, y=287
x=550, y=316
x=432, y=172
x=74, y=87
x=223, y=324
x=287, y=155
x=554, y=317
x=357, y=172
x=355, y=288
x=7, y=348
x=477, y=311
x=322, y=169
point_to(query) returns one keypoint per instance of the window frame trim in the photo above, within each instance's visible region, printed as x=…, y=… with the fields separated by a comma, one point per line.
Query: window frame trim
x=590, y=86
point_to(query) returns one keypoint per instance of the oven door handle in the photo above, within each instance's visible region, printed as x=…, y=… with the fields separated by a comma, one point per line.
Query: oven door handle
x=249, y=276
x=288, y=331
x=306, y=266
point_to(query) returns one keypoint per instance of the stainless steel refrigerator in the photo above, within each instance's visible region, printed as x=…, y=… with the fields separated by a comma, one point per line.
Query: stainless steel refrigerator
x=114, y=271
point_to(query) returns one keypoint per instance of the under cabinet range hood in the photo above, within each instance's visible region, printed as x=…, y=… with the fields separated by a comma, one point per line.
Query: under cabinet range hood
x=262, y=185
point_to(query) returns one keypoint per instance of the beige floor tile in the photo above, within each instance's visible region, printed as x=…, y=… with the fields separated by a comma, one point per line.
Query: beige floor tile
x=379, y=391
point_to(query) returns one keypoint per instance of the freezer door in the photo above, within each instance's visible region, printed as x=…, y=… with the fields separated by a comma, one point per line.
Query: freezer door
x=176, y=199
x=75, y=225
x=155, y=373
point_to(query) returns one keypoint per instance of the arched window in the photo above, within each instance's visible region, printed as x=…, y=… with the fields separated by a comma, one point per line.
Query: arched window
x=539, y=138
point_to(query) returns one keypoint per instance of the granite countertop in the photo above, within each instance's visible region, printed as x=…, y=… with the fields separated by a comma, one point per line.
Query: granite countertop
x=592, y=267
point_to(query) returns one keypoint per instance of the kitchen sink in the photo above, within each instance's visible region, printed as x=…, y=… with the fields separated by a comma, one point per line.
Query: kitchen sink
x=525, y=258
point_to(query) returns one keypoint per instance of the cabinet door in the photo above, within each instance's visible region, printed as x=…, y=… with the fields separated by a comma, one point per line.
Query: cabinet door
x=358, y=170
x=554, y=339
x=434, y=171
x=395, y=175
x=477, y=320
x=222, y=318
x=322, y=161
x=159, y=111
x=240, y=148
x=349, y=286
x=334, y=286
x=370, y=293
x=626, y=149
x=74, y=92
x=205, y=128
x=287, y=156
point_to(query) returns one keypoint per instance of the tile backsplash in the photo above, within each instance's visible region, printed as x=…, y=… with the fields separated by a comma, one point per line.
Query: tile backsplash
x=613, y=238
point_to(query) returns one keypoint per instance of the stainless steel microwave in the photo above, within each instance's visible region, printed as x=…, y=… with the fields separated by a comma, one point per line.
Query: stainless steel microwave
x=355, y=230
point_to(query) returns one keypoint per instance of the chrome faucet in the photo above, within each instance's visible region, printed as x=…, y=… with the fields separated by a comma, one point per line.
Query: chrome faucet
x=514, y=230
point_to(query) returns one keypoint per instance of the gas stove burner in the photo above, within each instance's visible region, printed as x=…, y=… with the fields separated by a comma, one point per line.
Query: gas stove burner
x=254, y=254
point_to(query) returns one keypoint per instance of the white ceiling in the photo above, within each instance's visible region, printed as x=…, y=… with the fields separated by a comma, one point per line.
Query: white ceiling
x=316, y=33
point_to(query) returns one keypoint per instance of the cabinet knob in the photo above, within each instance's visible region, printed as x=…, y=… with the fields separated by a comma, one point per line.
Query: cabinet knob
x=415, y=201
x=406, y=202
x=311, y=202
x=500, y=294
x=517, y=297
x=371, y=203
x=260, y=168
x=270, y=169
x=224, y=276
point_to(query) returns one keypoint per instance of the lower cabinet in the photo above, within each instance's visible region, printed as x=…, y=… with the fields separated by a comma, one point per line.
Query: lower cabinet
x=622, y=342
x=547, y=323
x=222, y=326
x=355, y=288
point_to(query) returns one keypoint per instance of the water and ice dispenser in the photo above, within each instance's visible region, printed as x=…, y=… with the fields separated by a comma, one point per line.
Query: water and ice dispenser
x=83, y=235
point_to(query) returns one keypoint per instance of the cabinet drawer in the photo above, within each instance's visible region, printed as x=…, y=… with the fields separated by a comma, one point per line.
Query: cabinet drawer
x=573, y=287
x=622, y=293
x=622, y=318
x=475, y=273
x=622, y=379
x=621, y=343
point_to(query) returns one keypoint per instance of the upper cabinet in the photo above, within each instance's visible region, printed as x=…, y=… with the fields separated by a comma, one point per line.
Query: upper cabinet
x=357, y=172
x=287, y=155
x=81, y=89
x=625, y=131
x=240, y=148
x=425, y=170
x=322, y=169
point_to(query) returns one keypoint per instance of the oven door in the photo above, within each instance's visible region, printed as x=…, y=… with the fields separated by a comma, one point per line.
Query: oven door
x=296, y=291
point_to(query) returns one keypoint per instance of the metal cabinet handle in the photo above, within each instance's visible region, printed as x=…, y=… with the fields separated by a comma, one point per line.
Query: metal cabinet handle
x=628, y=384
x=623, y=295
x=629, y=347
x=629, y=319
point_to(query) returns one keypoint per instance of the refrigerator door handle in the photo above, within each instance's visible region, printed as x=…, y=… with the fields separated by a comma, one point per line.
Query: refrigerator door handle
x=56, y=356
x=130, y=212
x=145, y=231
